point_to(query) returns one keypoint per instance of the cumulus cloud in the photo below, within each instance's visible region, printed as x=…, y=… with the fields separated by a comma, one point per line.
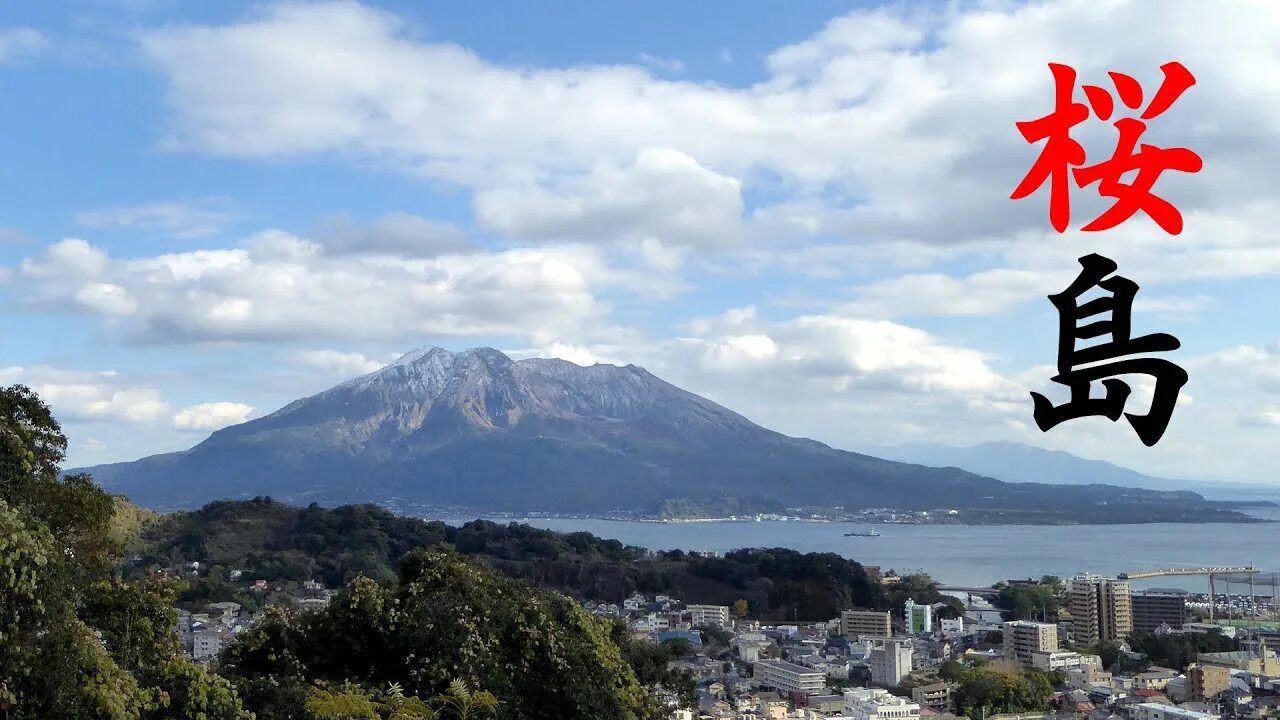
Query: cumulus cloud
x=208, y=417
x=87, y=396
x=280, y=287
x=172, y=219
x=337, y=363
x=834, y=377
x=907, y=116
x=663, y=195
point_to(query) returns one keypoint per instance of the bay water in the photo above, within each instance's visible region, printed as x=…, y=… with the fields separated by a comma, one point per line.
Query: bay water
x=979, y=555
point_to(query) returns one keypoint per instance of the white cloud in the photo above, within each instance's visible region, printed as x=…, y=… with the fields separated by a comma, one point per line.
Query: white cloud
x=986, y=293
x=337, y=363
x=280, y=287
x=20, y=43
x=898, y=124
x=89, y=396
x=663, y=195
x=208, y=417
x=178, y=220
x=837, y=378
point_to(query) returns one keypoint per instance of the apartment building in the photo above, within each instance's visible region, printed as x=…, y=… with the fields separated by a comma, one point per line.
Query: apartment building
x=890, y=661
x=919, y=618
x=1206, y=682
x=788, y=677
x=865, y=623
x=1153, y=609
x=936, y=697
x=1022, y=638
x=1056, y=660
x=1101, y=609
x=703, y=615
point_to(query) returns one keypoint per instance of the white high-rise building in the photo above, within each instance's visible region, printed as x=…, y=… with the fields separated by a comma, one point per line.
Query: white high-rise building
x=919, y=618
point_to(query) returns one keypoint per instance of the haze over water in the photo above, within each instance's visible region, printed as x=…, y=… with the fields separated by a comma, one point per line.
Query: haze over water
x=968, y=555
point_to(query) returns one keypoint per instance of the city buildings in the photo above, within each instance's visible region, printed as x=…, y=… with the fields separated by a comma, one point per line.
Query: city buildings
x=890, y=661
x=1261, y=662
x=207, y=643
x=1022, y=638
x=865, y=623
x=876, y=704
x=788, y=677
x=1156, y=711
x=1153, y=609
x=1055, y=660
x=703, y=615
x=1207, y=681
x=1101, y=609
x=936, y=697
x=919, y=618
x=1155, y=678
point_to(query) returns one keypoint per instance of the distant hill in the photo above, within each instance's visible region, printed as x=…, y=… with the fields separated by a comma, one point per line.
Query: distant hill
x=1019, y=462
x=272, y=541
x=476, y=429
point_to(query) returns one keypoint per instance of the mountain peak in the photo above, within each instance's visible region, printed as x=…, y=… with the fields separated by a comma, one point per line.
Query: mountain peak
x=422, y=353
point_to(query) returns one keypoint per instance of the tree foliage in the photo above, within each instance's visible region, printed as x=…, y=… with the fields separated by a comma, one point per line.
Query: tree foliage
x=983, y=691
x=1025, y=601
x=1177, y=651
x=446, y=620
x=74, y=642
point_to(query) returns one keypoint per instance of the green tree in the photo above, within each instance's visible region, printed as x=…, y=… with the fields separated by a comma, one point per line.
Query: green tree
x=1109, y=651
x=76, y=512
x=447, y=621
x=714, y=635
x=983, y=691
x=136, y=620
x=739, y=608
x=1023, y=602
x=51, y=663
x=73, y=642
x=651, y=663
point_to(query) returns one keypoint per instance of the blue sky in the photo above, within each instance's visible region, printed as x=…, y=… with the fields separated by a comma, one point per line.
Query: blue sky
x=799, y=211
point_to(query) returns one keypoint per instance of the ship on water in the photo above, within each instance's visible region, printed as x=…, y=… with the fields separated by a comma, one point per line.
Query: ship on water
x=862, y=533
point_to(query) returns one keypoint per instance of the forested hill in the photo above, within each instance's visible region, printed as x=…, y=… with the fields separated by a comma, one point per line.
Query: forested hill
x=272, y=541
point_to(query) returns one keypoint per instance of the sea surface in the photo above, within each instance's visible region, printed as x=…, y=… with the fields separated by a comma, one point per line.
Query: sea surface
x=978, y=555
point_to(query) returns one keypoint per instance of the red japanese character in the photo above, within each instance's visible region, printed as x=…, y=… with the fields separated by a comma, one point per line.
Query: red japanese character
x=1062, y=152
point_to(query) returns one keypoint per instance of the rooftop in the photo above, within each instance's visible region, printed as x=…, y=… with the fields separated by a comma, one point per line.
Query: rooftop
x=789, y=666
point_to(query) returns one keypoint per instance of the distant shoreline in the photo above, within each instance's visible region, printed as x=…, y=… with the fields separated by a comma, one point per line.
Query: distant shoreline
x=973, y=522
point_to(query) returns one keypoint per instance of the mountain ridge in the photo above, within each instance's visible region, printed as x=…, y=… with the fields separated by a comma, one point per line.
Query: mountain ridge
x=477, y=429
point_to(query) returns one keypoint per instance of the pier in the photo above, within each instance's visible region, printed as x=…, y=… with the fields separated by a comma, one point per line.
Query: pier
x=1166, y=572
